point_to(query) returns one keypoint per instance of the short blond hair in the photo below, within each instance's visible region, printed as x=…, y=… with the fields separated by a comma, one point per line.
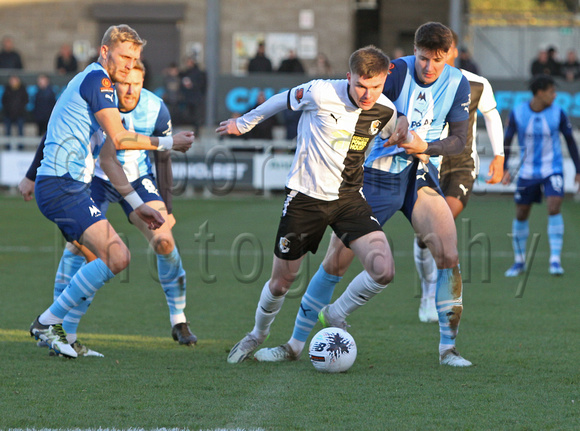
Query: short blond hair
x=122, y=33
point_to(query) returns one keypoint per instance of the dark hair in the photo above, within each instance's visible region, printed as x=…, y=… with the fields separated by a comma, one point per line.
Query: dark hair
x=369, y=61
x=456, y=39
x=541, y=82
x=433, y=36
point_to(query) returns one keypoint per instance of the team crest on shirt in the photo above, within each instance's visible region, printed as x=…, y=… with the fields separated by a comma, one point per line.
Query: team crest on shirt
x=299, y=94
x=374, y=129
x=284, y=245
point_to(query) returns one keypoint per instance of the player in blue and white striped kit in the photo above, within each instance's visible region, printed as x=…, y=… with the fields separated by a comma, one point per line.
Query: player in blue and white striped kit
x=538, y=125
x=142, y=112
x=400, y=177
x=74, y=139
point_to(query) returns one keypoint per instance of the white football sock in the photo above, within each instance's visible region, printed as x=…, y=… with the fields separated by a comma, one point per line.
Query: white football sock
x=268, y=307
x=427, y=269
x=360, y=290
x=296, y=345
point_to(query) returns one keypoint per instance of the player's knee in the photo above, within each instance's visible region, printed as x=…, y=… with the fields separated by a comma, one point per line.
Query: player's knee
x=280, y=286
x=385, y=278
x=119, y=260
x=163, y=245
x=384, y=273
x=447, y=259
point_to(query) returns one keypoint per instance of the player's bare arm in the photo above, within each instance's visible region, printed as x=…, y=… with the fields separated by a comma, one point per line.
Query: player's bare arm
x=122, y=139
x=112, y=167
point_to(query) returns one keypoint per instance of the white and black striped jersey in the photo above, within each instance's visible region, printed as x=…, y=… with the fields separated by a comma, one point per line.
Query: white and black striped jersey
x=482, y=99
x=333, y=136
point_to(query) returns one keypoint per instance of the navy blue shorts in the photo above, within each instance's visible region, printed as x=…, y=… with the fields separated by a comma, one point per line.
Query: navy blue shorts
x=530, y=191
x=388, y=193
x=103, y=193
x=67, y=203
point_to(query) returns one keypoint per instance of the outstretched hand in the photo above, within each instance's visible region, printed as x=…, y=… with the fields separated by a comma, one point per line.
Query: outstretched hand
x=228, y=127
x=150, y=216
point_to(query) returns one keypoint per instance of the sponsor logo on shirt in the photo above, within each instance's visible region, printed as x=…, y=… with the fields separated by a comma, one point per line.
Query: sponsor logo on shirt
x=95, y=212
x=358, y=143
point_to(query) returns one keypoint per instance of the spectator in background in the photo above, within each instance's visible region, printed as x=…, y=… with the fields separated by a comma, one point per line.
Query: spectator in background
x=540, y=64
x=263, y=130
x=66, y=62
x=14, y=102
x=570, y=69
x=193, y=86
x=9, y=58
x=322, y=66
x=466, y=62
x=553, y=62
x=291, y=64
x=260, y=63
x=44, y=101
x=398, y=52
x=172, y=93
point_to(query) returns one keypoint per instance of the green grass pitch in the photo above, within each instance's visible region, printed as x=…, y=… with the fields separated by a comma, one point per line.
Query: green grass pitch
x=523, y=338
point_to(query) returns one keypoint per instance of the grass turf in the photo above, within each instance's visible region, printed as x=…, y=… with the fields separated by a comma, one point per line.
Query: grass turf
x=525, y=349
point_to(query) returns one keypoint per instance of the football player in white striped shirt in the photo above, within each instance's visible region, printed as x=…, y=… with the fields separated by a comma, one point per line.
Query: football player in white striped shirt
x=399, y=176
x=340, y=118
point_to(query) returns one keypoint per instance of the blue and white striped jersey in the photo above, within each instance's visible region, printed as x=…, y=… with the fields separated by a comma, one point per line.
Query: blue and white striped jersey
x=428, y=109
x=73, y=139
x=150, y=118
x=539, y=139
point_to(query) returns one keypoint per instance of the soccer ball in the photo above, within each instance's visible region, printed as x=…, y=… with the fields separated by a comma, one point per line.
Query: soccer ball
x=332, y=350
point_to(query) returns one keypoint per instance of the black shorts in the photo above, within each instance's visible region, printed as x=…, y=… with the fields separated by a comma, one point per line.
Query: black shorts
x=304, y=221
x=458, y=184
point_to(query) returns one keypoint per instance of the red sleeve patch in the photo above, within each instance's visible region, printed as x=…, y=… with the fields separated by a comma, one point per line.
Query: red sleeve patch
x=299, y=94
x=106, y=85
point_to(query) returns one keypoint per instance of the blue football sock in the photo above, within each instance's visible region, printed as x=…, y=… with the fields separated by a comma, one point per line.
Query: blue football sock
x=520, y=233
x=72, y=319
x=555, y=236
x=68, y=266
x=318, y=294
x=172, y=279
x=85, y=283
x=449, y=305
